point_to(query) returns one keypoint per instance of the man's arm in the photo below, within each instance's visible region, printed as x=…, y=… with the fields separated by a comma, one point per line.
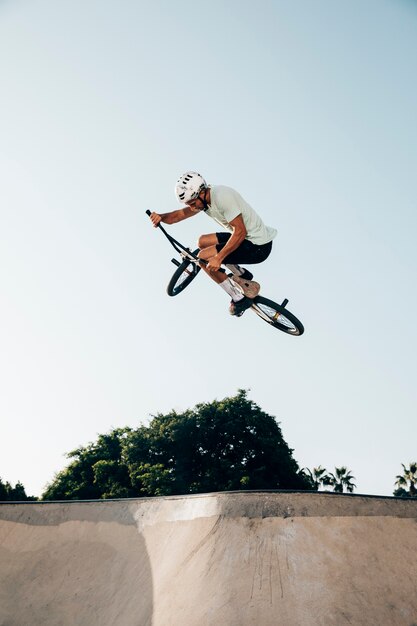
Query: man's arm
x=238, y=235
x=172, y=217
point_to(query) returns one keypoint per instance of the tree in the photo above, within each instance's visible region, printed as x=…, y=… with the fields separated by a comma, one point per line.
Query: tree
x=16, y=493
x=409, y=480
x=340, y=479
x=317, y=477
x=96, y=471
x=222, y=445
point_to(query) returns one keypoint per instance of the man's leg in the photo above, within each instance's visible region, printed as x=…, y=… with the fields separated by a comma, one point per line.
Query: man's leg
x=207, y=241
x=207, y=245
x=238, y=288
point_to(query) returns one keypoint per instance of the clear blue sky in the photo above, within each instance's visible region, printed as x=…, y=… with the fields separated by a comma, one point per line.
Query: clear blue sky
x=309, y=110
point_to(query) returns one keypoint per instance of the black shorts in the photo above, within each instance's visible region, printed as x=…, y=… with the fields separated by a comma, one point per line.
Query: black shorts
x=248, y=252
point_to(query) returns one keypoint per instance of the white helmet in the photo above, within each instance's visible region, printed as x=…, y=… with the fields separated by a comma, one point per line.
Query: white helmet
x=189, y=186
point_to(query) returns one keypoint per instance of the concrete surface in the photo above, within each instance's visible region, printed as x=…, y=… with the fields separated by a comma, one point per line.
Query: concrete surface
x=233, y=559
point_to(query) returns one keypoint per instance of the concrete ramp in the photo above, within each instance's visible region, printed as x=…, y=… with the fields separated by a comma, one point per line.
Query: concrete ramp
x=232, y=559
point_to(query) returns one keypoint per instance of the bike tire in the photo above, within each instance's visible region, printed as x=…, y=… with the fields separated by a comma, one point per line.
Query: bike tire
x=277, y=316
x=182, y=277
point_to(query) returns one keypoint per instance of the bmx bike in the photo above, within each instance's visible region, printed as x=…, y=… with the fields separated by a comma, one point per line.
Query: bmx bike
x=277, y=315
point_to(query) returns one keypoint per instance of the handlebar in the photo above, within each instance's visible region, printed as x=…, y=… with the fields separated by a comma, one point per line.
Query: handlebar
x=177, y=245
x=148, y=212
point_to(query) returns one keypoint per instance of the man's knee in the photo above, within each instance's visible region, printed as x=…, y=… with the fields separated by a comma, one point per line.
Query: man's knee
x=205, y=241
x=202, y=242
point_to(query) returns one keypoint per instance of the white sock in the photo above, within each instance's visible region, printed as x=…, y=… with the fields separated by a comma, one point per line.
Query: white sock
x=234, y=291
x=236, y=269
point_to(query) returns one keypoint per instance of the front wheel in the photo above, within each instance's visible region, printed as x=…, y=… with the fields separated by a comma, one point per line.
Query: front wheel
x=182, y=277
x=277, y=315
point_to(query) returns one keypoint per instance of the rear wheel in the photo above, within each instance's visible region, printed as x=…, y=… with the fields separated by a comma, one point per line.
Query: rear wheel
x=182, y=277
x=277, y=315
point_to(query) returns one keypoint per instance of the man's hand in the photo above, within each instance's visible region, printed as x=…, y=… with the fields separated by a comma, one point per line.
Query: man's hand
x=214, y=263
x=155, y=218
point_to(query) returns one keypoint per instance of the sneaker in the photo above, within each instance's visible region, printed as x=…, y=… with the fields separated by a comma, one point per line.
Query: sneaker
x=238, y=308
x=250, y=288
x=247, y=275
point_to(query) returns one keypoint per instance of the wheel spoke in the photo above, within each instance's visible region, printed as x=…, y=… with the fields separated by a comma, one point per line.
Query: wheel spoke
x=277, y=316
x=184, y=276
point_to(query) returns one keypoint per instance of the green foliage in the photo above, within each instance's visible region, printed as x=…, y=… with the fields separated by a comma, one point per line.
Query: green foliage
x=316, y=477
x=16, y=493
x=407, y=481
x=96, y=471
x=222, y=445
x=151, y=479
x=341, y=479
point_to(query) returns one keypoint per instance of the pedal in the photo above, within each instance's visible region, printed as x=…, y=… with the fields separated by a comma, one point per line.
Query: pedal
x=175, y=262
x=284, y=303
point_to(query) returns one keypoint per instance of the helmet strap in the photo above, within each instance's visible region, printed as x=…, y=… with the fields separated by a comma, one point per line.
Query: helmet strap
x=204, y=200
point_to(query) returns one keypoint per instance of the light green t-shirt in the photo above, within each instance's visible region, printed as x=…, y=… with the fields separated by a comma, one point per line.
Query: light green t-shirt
x=226, y=204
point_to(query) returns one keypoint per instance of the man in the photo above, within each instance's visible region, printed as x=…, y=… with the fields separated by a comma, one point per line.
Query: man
x=248, y=241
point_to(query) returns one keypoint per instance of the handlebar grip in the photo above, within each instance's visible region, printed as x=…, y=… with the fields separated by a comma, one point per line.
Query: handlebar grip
x=148, y=212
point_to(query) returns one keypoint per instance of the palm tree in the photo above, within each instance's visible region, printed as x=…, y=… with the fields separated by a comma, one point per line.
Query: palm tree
x=340, y=479
x=317, y=477
x=409, y=476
